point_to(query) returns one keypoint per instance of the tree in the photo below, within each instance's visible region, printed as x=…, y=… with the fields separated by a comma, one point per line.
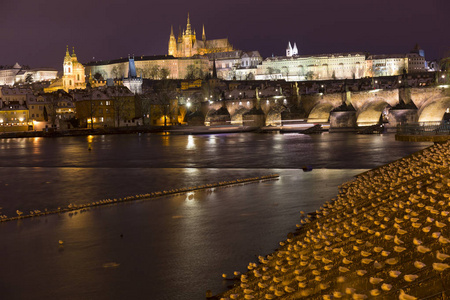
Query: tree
x=286, y=72
x=122, y=104
x=190, y=72
x=45, y=114
x=144, y=106
x=164, y=98
x=193, y=72
x=272, y=73
x=117, y=72
x=154, y=72
x=29, y=78
x=164, y=73
x=98, y=76
x=310, y=75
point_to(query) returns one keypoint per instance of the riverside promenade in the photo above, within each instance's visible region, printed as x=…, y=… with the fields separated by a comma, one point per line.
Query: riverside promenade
x=385, y=236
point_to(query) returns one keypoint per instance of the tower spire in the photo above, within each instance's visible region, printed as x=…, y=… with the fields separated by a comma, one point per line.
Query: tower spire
x=188, y=26
x=67, y=50
x=171, y=30
x=204, y=34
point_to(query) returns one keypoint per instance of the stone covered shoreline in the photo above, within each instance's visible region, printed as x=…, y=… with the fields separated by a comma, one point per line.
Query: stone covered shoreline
x=385, y=236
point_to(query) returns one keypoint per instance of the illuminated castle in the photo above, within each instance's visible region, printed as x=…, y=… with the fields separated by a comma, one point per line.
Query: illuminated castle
x=187, y=44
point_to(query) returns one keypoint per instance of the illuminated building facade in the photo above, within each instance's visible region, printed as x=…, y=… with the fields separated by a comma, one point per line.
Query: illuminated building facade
x=73, y=75
x=105, y=107
x=149, y=67
x=295, y=67
x=18, y=74
x=313, y=67
x=235, y=65
x=187, y=45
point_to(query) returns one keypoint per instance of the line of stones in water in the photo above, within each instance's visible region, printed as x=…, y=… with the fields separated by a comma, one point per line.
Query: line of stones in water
x=147, y=196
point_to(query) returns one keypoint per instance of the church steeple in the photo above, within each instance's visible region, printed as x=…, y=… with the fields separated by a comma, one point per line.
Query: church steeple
x=172, y=43
x=179, y=34
x=74, y=56
x=188, y=26
x=204, y=34
x=67, y=57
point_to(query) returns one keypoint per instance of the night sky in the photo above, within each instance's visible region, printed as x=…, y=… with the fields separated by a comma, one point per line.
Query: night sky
x=36, y=32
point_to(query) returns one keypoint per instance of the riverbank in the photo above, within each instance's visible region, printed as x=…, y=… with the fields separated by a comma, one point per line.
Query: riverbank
x=386, y=235
x=178, y=130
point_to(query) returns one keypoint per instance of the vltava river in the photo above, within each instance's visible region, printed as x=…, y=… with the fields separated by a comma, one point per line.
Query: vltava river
x=166, y=248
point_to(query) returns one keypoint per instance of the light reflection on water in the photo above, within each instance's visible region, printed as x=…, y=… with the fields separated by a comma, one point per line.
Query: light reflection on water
x=172, y=247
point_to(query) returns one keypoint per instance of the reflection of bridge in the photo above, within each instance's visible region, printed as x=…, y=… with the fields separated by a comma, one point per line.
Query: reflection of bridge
x=349, y=109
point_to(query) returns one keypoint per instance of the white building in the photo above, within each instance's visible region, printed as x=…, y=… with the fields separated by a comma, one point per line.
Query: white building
x=313, y=67
x=11, y=75
x=236, y=65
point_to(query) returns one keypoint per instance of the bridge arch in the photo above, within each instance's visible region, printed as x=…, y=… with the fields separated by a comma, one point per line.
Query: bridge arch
x=370, y=112
x=236, y=117
x=433, y=109
x=209, y=114
x=274, y=115
x=320, y=112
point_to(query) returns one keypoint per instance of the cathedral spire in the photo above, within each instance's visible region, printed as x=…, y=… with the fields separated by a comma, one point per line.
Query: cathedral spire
x=188, y=26
x=204, y=34
x=67, y=50
x=171, y=31
x=73, y=52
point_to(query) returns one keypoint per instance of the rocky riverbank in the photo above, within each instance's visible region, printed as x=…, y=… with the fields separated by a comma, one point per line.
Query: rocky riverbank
x=385, y=236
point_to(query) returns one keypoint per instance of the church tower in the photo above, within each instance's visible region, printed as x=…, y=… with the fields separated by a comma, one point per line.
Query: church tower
x=67, y=71
x=188, y=40
x=73, y=72
x=172, y=43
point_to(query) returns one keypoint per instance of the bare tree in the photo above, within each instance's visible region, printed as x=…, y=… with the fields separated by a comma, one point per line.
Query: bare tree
x=123, y=104
x=164, y=97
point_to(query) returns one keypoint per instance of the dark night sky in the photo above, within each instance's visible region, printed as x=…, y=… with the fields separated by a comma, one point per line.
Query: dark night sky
x=35, y=32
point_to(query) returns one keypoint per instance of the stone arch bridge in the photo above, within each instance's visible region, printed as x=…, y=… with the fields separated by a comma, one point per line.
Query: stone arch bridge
x=349, y=109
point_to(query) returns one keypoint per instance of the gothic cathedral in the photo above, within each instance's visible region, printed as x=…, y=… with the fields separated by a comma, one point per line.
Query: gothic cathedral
x=187, y=44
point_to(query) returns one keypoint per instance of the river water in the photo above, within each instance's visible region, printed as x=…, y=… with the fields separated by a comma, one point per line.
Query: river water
x=165, y=248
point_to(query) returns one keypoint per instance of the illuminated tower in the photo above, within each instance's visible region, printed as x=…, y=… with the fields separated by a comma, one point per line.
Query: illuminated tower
x=73, y=76
x=172, y=43
x=188, y=40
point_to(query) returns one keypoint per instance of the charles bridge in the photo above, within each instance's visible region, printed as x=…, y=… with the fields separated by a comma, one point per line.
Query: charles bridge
x=341, y=109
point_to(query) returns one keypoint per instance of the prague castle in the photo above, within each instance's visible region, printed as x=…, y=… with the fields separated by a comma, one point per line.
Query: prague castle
x=187, y=45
